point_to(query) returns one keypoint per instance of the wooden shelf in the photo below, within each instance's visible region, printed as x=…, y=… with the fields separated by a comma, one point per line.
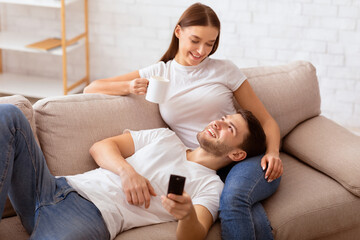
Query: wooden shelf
x=39, y=3
x=18, y=41
x=32, y=86
x=40, y=87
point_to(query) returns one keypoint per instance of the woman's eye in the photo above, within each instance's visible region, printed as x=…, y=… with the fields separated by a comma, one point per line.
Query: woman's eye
x=231, y=129
x=209, y=45
x=194, y=41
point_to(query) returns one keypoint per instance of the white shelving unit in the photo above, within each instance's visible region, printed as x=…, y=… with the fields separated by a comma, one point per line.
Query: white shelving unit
x=39, y=3
x=29, y=85
x=17, y=42
x=40, y=87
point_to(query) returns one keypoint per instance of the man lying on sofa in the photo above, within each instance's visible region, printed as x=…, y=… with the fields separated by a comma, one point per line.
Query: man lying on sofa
x=93, y=205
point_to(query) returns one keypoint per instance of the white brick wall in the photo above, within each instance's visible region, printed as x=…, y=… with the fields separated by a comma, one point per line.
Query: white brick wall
x=129, y=34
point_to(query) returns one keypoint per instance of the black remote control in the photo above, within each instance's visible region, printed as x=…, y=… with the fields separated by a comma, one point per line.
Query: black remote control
x=176, y=184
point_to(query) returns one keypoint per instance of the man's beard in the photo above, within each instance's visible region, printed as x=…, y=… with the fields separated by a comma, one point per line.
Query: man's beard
x=216, y=148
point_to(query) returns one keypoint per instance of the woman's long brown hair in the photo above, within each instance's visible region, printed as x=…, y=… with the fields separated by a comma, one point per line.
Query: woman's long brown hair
x=196, y=15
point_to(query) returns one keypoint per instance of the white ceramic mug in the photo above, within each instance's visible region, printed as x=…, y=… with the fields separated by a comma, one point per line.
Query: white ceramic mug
x=156, y=91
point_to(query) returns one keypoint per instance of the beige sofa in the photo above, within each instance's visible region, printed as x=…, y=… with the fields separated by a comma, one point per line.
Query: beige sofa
x=318, y=197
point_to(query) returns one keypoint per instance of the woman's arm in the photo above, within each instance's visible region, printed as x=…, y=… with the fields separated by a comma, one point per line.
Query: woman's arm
x=110, y=154
x=194, y=221
x=120, y=85
x=248, y=100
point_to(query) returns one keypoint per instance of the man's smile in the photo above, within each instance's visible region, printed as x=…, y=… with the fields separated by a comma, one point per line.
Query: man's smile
x=212, y=132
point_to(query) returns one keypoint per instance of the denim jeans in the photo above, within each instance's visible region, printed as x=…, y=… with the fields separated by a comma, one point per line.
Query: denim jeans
x=48, y=207
x=241, y=213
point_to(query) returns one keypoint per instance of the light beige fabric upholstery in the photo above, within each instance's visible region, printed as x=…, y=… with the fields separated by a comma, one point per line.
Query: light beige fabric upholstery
x=163, y=231
x=317, y=142
x=25, y=106
x=310, y=205
x=12, y=229
x=289, y=92
x=8, y=209
x=67, y=126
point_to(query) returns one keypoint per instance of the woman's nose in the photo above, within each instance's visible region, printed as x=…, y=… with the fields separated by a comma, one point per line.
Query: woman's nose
x=201, y=50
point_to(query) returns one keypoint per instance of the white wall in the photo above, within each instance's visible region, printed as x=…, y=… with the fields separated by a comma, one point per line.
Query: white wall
x=129, y=34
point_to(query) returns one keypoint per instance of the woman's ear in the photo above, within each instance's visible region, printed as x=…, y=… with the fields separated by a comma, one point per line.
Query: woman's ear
x=237, y=155
x=177, y=31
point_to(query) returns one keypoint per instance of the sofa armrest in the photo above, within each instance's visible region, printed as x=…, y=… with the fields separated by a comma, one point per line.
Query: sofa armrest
x=329, y=148
x=25, y=106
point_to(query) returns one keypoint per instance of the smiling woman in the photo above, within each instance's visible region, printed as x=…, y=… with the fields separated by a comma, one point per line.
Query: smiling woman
x=202, y=89
x=195, y=43
x=196, y=15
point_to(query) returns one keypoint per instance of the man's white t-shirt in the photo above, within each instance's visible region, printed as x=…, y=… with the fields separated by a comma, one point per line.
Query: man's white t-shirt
x=196, y=95
x=158, y=153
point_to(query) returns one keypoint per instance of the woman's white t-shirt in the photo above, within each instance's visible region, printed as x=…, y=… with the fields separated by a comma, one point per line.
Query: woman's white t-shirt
x=196, y=95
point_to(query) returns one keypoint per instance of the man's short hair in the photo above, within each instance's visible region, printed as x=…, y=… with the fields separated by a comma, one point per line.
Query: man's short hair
x=255, y=141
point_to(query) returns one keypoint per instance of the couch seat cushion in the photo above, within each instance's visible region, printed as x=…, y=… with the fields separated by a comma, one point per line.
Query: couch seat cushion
x=11, y=228
x=163, y=231
x=310, y=205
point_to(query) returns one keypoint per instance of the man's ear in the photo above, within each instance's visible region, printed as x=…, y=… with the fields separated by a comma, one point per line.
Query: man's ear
x=237, y=155
x=177, y=31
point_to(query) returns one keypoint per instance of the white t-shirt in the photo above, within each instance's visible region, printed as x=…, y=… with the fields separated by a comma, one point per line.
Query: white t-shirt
x=197, y=94
x=158, y=153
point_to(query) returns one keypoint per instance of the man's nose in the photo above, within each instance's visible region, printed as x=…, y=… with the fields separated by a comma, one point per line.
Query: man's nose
x=217, y=124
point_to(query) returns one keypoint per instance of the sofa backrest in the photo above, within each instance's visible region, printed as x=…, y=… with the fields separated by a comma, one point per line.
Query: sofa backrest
x=289, y=92
x=67, y=126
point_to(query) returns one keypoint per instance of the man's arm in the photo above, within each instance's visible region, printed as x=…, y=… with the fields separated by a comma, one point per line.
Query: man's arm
x=194, y=221
x=110, y=154
x=196, y=226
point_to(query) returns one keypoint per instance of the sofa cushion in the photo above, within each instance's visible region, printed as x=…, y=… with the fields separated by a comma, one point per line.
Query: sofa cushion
x=164, y=231
x=67, y=126
x=8, y=209
x=289, y=92
x=328, y=147
x=310, y=205
x=11, y=228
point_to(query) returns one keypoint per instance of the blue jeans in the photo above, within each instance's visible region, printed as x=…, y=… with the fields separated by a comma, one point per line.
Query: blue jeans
x=241, y=213
x=48, y=207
